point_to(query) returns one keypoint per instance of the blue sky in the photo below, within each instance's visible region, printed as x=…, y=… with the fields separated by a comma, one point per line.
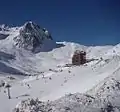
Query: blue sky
x=89, y=22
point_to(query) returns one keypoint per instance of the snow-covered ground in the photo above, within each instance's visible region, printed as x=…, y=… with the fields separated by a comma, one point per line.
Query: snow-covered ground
x=44, y=75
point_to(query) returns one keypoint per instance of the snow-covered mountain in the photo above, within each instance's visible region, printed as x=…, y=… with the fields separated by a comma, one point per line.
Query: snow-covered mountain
x=21, y=44
x=32, y=36
x=37, y=69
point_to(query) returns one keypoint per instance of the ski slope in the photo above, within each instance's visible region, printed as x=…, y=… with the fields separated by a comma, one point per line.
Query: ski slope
x=44, y=75
x=51, y=85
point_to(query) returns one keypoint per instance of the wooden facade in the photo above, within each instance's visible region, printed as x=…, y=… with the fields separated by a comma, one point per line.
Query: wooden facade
x=79, y=57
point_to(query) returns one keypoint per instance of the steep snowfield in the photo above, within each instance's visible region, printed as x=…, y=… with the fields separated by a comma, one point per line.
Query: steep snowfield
x=43, y=75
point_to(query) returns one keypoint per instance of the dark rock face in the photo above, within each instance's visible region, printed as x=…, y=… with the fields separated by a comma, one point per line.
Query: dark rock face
x=31, y=36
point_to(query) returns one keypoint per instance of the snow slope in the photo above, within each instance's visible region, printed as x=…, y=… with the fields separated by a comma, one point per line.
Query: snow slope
x=83, y=80
x=43, y=75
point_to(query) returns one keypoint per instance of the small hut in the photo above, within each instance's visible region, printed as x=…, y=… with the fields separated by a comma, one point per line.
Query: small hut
x=79, y=57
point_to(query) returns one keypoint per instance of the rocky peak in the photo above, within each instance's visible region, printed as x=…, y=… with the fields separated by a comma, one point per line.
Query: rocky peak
x=4, y=27
x=31, y=36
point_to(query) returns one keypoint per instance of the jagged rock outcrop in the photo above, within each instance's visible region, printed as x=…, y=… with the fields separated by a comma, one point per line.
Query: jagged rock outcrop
x=4, y=27
x=31, y=36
